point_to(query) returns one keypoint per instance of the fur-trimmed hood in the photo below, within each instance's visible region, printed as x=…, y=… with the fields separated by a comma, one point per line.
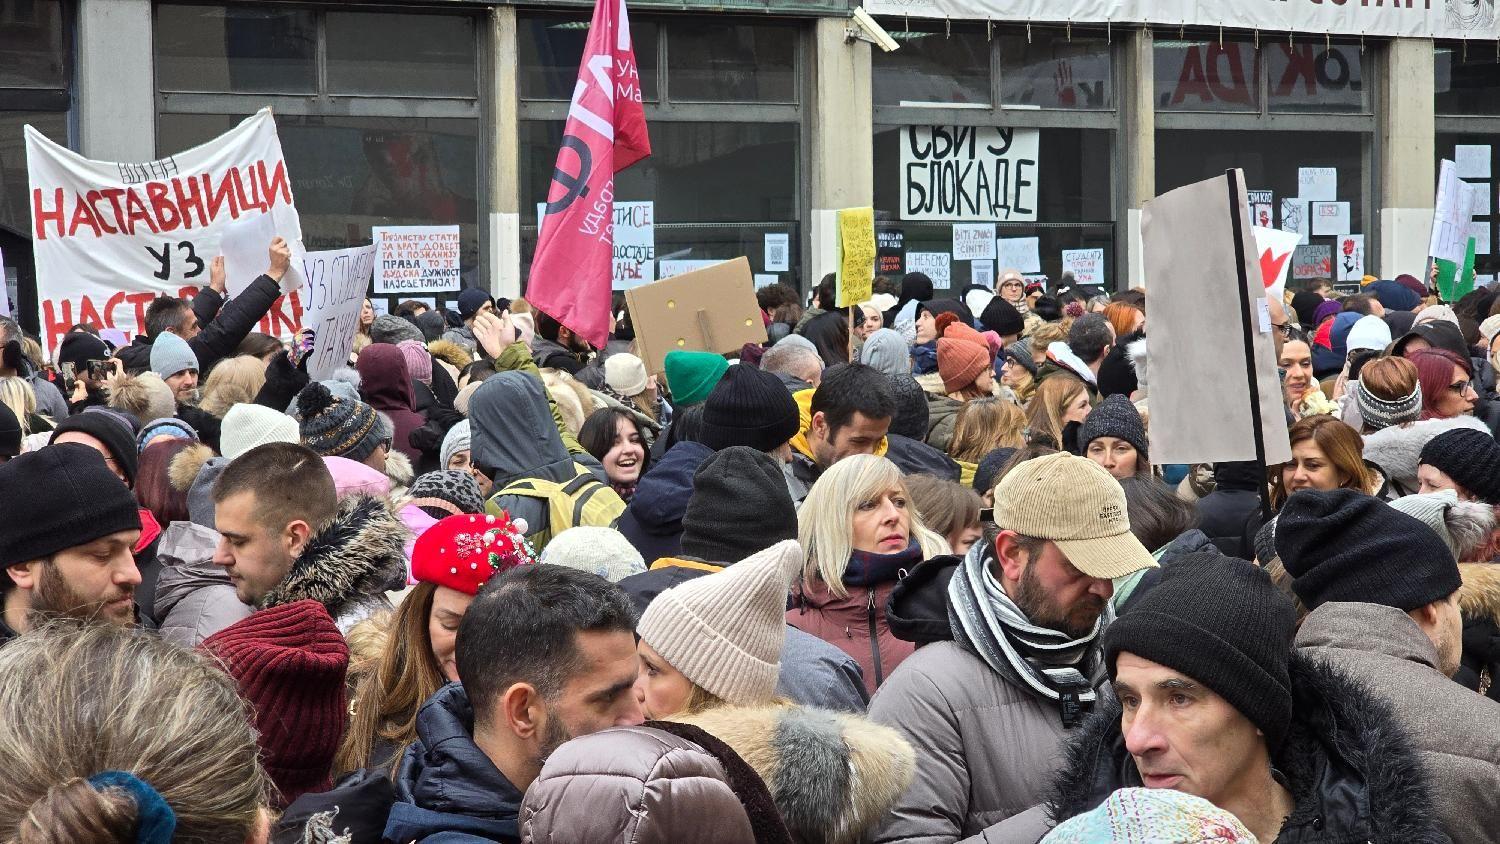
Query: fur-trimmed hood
x=1479, y=596
x=1351, y=771
x=1396, y=450
x=183, y=469
x=450, y=353
x=350, y=564
x=832, y=775
x=1136, y=354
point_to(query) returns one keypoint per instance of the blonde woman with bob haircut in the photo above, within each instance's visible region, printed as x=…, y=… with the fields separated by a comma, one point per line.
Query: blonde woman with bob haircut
x=105, y=730
x=234, y=381
x=861, y=535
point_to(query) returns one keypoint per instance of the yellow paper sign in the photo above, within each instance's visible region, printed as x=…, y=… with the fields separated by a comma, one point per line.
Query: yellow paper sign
x=856, y=254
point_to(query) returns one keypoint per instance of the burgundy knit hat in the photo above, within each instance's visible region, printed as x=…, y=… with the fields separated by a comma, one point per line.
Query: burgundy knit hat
x=289, y=662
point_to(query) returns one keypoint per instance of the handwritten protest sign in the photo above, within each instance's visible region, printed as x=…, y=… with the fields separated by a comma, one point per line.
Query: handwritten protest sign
x=969, y=173
x=856, y=267
x=1318, y=183
x=890, y=252
x=667, y=268
x=1350, y=257
x=1021, y=253
x=1330, y=218
x=416, y=258
x=1449, y=243
x=337, y=281
x=973, y=241
x=1086, y=265
x=635, y=244
x=1312, y=261
x=935, y=265
x=111, y=236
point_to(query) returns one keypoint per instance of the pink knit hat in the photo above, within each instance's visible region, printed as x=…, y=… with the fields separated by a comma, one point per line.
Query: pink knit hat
x=418, y=360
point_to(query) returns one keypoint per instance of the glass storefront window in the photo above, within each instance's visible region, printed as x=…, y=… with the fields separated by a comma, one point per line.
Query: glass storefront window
x=401, y=55
x=731, y=62
x=1050, y=70
x=15, y=212
x=1315, y=76
x=934, y=67
x=718, y=187
x=1207, y=75
x=351, y=173
x=1074, y=209
x=34, y=45
x=1466, y=79
x=236, y=49
x=552, y=46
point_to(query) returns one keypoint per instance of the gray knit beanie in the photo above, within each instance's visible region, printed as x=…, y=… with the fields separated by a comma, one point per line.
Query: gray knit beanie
x=171, y=354
x=337, y=427
x=1114, y=417
x=456, y=440
x=1377, y=413
x=388, y=328
x=1020, y=352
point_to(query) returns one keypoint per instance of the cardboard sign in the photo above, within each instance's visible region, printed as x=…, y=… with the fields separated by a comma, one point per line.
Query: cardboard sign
x=973, y=241
x=1202, y=277
x=1312, y=261
x=1086, y=265
x=711, y=309
x=856, y=255
x=109, y=237
x=410, y=259
x=969, y=173
x=935, y=265
x=635, y=244
x=890, y=252
x=337, y=281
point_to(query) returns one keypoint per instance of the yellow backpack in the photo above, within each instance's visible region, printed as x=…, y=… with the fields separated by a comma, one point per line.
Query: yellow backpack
x=582, y=500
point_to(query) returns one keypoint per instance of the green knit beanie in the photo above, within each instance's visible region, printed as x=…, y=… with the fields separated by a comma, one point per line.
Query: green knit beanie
x=691, y=376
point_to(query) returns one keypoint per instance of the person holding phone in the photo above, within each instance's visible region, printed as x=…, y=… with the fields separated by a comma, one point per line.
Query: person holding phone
x=83, y=359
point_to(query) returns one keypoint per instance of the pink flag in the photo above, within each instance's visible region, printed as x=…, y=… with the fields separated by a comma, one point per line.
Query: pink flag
x=573, y=269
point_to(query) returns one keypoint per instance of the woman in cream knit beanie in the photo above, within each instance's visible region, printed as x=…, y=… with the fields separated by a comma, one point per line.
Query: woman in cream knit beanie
x=717, y=639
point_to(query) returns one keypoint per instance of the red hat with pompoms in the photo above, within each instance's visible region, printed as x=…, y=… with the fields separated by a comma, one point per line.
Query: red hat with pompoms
x=462, y=552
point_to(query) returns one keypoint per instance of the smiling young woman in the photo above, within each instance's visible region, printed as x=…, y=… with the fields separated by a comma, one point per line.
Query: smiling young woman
x=618, y=440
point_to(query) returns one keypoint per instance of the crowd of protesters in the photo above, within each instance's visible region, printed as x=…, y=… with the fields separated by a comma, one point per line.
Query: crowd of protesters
x=906, y=572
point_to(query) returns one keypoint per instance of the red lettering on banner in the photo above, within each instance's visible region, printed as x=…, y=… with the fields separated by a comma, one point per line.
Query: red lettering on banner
x=135, y=209
x=113, y=195
x=284, y=317
x=108, y=317
x=53, y=324
x=83, y=214
x=40, y=215
x=277, y=184
x=1200, y=76
x=92, y=199
x=218, y=198
x=141, y=301
x=186, y=205
x=166, y=213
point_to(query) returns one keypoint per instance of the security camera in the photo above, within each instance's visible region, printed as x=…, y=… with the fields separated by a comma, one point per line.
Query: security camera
x=862, y=27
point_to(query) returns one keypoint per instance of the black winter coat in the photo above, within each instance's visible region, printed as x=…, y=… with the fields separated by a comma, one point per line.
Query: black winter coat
x=221, y=335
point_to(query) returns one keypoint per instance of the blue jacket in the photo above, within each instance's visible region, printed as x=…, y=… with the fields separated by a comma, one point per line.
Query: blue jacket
x=447, y=790
x=652, y=521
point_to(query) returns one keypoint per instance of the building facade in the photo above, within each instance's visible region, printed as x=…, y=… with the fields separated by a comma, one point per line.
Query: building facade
x=765, y=118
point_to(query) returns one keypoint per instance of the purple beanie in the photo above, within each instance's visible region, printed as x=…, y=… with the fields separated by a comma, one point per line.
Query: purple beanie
x=1326, y=310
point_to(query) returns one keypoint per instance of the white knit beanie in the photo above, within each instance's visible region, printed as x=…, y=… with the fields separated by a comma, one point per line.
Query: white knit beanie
x=625, y=374
x=246, y=426
x=597, y=550
x=724, y=631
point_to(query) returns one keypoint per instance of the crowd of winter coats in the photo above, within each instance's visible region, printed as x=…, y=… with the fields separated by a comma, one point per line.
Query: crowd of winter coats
x=904, y=572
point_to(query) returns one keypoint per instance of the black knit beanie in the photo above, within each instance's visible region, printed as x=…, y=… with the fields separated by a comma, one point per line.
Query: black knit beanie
x=1114, y=417
x=1001, y=317
x=78, y=348
x=1220, y=621
x=748, y=407
x=1470, y=457
x=60, y=497
x=911, y=408
x=106, y=428
x=989, y=469
x=1342, y=545
x=740, y=505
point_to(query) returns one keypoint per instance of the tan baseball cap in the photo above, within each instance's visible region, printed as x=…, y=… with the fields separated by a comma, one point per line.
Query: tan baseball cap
x=1075, y=503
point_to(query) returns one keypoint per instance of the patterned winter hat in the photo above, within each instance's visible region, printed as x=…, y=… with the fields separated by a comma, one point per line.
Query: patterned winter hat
x=1159, y=815
x=449, y=490
x=462, y=552
x=337, y=427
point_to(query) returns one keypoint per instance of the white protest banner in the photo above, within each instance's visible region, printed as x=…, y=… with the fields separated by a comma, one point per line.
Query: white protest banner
x=337, y=281
x=935, y=265
x=635, y=244
x=1020, y=253
x=968, y=173
x=1273, y=250
x=1457, y=19
x=1318, y=183
x=416, y=259
x=1294, y=218
x=973, y=241
x=1086, y=265
x=1330, y=218
x=1453, y=214
x=1349, y=257
x=111, y=236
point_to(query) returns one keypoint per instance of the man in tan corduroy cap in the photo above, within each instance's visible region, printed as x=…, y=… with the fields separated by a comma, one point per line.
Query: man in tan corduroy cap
x=989, y=705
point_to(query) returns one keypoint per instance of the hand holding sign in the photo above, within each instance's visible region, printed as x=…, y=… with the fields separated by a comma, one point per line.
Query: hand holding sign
x=281, y=259
x=216, y=274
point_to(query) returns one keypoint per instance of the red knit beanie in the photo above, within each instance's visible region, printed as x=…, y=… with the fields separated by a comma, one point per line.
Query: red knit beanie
x=289, y=662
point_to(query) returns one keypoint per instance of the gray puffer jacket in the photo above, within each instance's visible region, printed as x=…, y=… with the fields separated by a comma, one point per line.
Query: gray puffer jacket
x=194, y=598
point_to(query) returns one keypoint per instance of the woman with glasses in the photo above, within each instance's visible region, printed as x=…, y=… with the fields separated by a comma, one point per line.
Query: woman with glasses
x=1447, y=383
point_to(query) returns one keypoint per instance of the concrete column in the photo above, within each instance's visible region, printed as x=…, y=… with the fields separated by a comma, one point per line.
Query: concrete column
x=842, y=158
x=116, y=84
x=504, y=186
x=1407, y=165
x=1137, y=93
